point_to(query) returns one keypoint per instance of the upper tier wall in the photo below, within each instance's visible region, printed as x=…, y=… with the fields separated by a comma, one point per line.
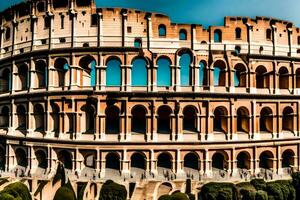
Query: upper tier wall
x=42, y=24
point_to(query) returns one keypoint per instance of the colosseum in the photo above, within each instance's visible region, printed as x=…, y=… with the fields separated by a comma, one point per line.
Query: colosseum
x=128, y=95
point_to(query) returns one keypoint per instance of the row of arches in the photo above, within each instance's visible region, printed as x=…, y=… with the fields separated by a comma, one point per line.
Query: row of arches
x=140, y=73
x=164, y=161
x=139, y=115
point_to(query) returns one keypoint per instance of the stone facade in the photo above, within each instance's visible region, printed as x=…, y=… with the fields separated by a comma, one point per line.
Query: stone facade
x=57, y=104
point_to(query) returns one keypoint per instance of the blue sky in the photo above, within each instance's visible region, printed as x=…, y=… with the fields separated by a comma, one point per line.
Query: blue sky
x=206, y=12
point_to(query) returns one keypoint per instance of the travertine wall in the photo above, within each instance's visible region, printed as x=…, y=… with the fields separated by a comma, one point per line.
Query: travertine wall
x=245, y=124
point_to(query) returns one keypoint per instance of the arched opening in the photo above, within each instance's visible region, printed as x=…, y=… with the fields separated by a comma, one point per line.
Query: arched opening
x=219, y=161
x=218, y=36
x=5, y=80
x=138, y=161
x=138, y=120
x=283, y=78
x=164, y=120
x=288, y=159
x=55, y=118
x=243, y=120
x=182, y=34
x=4, y=117
x=240, y=75
x=65, y=158
x=138, y=43
x=163, y=72
x=189, y=119
x=288, y=119
x=113, y=72
x=21, y=158
x=2, y=159
x=89, y=113
x=266, y=120
x=41, y=6
x=112, y=164
x=162, y=31
x=61, y=65
x=219, y=73
x=23, y=76
x=42, y=159
x=40, y=68
x=112, y=120
x=139, y=74
x=39, y=117
x=164, y=161
x=203, y=81
x=262, y=77
x=60, y=3
x=191, y=162
x=220, y=119
x=88, y=65
x=90, y=161
x=266, y=160
x=238, y=33
x=243, y=160
x=22, y=117
x=298, y=78
x=185, y=69
x=237, y=49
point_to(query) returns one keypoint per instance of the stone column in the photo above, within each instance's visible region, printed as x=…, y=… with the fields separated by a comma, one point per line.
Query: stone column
x=207, y=163
x=154, y=78
x=196, y=78
x=125, y=165
x=30, y=119
x=179, y=119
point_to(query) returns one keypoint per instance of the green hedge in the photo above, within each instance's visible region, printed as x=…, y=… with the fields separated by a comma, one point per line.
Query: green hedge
x=218, y=191
x=15, y=191
x=174, y=196
x=113, y=191
x=64, y=193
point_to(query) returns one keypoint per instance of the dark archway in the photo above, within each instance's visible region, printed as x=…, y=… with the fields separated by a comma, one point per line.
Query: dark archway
x=4, y=117
x=283, y=78
x=39, y=117
x=138, y=120
x=138, y=160
x=266, y=120
x=243, y=160
x=22, y=117
x=190, y=119
x=42, y=159
x=191, y=161
x=21, y=157
x=220, y=120
x=112, y=161
x=164, y=120
x=288, y=159
x=89, y=112
x=219, y=161
x=288, y=119
x=218, y=36
x=262, y=77
x=164, y=160
x=112, y=120
x=5, y=80
x=41, y=71
x=88, y=66
x=23, y=76
x=65, y=158
x=243, y=120
x=266, y=160
x=56, y=118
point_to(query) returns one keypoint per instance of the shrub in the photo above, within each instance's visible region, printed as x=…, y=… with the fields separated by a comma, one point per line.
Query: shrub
x=16, y=191
x=64, y=193
x=261, y=195
x=259, y=184
x=296, y=183
x=246, y=191
x=165, y=197
x=111, y=191
x=179, y=196
x=216, y=191
x=191, y=196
